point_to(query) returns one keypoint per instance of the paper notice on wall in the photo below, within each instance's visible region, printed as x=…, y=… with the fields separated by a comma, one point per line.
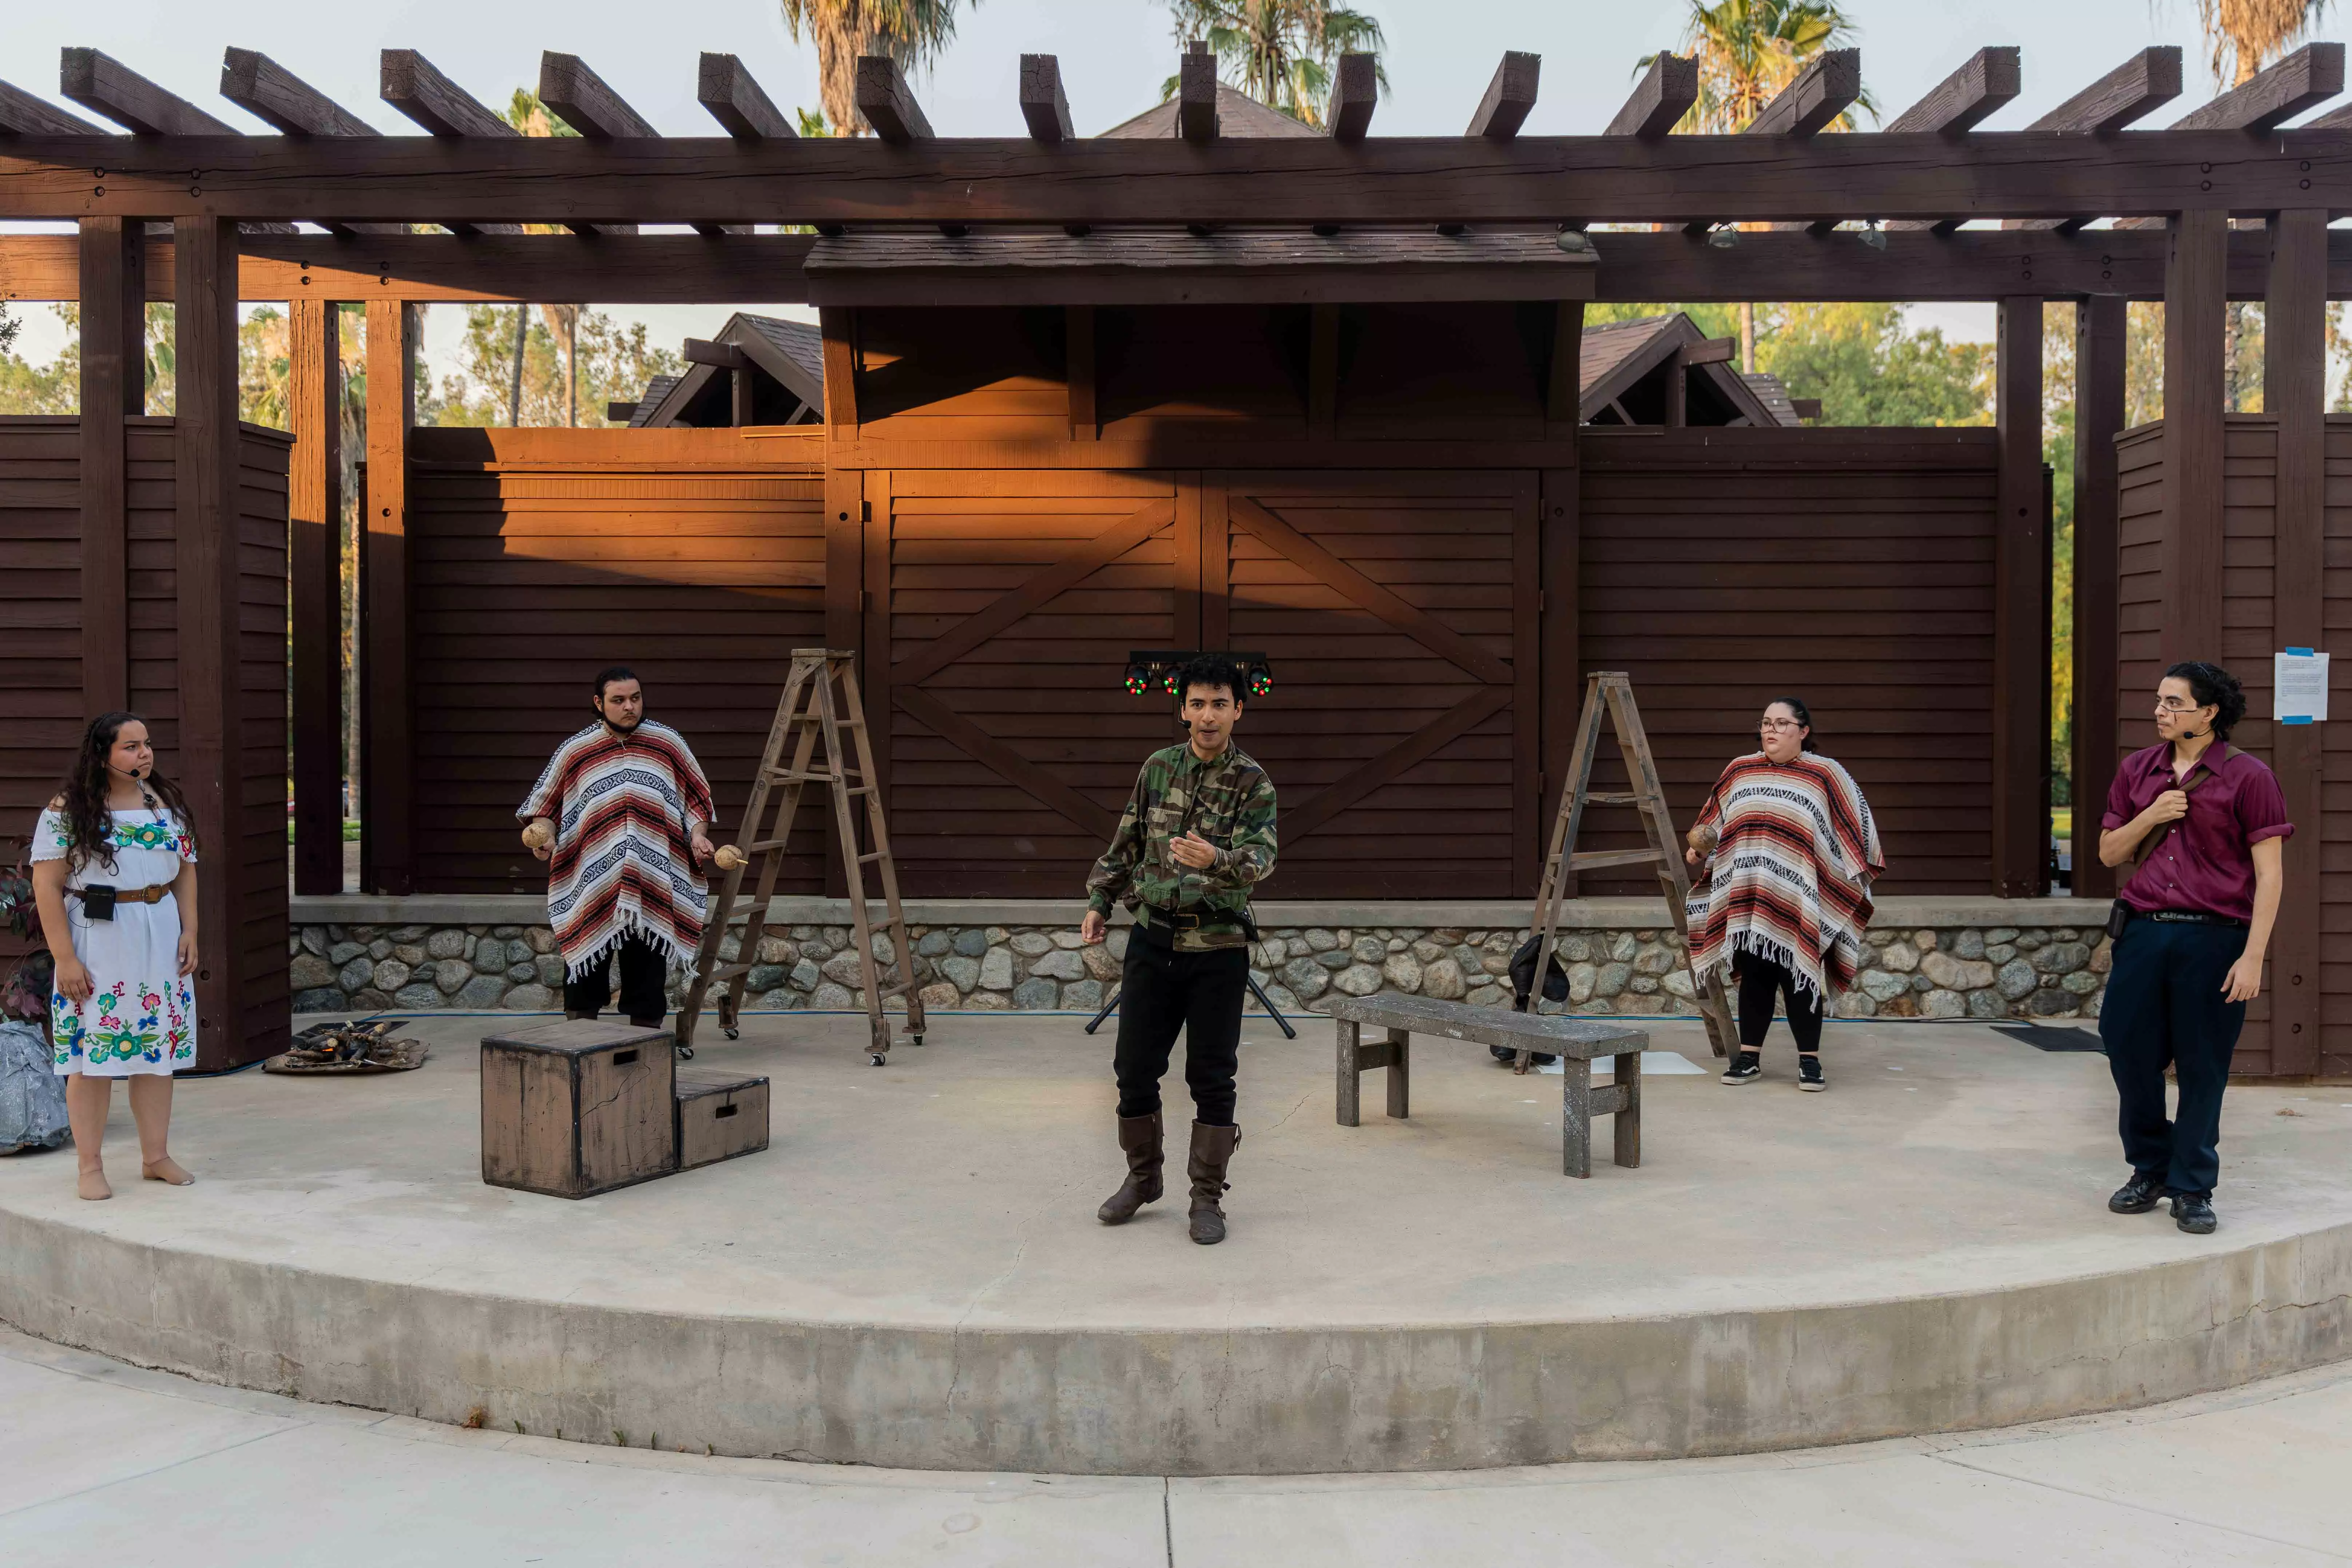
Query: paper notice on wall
x=2300, y=692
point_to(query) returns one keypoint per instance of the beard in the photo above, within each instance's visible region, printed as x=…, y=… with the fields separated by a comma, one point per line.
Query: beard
x=629, y=729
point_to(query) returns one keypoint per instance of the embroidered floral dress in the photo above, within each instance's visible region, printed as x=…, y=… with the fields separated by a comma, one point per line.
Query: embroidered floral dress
x=142, y=1012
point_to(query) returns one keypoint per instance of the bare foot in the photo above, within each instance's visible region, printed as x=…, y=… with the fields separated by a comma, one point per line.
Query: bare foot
x=94, y=1186
x=167, y=1170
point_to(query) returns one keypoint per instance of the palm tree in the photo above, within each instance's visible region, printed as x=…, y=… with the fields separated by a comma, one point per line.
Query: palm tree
x=911, y=32
x=1747, y=50
x=2248, y=34
x=1280, y=52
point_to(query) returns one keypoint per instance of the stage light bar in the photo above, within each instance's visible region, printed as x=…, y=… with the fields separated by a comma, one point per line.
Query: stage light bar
x=1154, y=670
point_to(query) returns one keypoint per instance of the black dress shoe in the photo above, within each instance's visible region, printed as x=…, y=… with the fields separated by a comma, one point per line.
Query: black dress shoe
x=2139, y=1195
x=2194, y=1212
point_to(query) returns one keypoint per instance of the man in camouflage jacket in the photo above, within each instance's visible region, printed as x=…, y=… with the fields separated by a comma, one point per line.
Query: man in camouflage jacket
x=1197, y=834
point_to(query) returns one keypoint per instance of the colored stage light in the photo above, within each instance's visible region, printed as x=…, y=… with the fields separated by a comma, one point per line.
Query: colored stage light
x=1138, y=681
x=1261, y=681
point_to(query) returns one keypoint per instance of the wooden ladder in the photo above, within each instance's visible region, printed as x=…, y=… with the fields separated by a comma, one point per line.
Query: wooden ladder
x=820, y=703
x=1611, y=693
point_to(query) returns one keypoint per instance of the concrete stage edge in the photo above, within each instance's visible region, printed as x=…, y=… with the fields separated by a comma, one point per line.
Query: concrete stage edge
x=1904, y=1256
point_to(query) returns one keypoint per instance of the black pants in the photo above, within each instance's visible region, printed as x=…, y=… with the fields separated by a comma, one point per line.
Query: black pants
x=2164, y=1007
x=1759, y=979
x=1162, y=991
x=643, y=971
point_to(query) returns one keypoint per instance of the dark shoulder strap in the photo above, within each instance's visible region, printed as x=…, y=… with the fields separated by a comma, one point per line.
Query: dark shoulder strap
x=2150, y=844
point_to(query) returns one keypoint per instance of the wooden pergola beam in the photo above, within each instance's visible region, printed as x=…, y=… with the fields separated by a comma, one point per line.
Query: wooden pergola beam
x=670, y=268
x=2304, y=79
x=725, y=87
x=101, y=82
x=1826, y=88
x=1989, y=80
x=584, y=101
x=1400, y=181
x=1043, y=107
x=268, y=90
x=1355, y=93
x=22, y=114
x=412, y=84
x=1196, y=95
x=1664, y=94
x=2131, y=92
x=889, y=103
x=1510, y=97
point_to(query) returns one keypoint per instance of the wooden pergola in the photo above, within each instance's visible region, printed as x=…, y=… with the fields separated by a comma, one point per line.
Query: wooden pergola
x=2223, y=203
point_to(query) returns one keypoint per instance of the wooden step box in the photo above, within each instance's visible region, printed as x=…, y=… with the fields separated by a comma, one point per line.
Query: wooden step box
x=579, y=1107
x=719, y=1115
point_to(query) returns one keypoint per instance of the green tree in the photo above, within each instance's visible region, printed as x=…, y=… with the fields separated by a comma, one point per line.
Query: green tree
x=1868, y=367
x=1280, y=52
x=911, y=32
x=614, y=364
x=52, y=388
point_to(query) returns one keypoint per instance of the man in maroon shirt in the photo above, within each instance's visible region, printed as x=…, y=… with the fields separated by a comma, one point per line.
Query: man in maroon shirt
x=2204, y=825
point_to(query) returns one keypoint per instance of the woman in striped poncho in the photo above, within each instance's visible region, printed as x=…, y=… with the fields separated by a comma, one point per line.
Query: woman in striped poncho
x=1788, y=902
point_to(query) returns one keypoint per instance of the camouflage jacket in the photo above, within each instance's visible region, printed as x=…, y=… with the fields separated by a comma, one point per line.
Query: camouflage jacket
x=1229, y=803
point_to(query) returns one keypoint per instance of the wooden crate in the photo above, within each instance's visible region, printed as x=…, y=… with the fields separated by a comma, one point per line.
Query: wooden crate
x=578, y=1107
x=719, y=1115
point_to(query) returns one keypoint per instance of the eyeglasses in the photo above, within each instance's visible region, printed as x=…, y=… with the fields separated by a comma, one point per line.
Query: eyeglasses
x=2169, y=705
x=1765, y=725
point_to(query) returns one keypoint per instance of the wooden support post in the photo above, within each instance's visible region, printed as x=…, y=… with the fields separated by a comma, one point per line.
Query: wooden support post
x=2099, y=347
x=210, y=764
x=1323, y=373
x=1678, y=413
x=2294, y=392
x=386, y=731
x=874, y=645
x=314, y=570
x=839, y=329
x=844, y=601
x=2020, y=669
x=1078, y=354
x=113, y=384
x=1560, y=543
x=2190, y=558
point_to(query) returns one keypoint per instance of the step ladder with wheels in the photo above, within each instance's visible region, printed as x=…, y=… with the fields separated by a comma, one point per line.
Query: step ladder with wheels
x=1609, y=695
x=819, y=708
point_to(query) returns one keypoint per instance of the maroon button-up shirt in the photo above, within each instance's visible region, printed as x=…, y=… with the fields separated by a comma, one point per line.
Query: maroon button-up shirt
x=2207, y=861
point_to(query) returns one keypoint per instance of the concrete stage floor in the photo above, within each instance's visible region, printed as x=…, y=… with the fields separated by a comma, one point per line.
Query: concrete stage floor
x=912, y=1274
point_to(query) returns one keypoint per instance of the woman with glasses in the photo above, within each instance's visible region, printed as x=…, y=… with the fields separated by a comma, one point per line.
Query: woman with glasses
x=1787, y=900
x=2202, y=824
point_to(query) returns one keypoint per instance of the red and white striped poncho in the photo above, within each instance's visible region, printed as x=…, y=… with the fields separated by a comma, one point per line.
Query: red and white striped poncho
x=623, y=859
x=1791, y=872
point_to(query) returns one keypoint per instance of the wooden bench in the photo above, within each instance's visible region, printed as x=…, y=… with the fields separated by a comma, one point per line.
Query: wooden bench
x=1576, y=1041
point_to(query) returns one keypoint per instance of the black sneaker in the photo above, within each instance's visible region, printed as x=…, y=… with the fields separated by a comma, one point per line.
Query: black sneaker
x=2194, y=1212
x=1746, y=1067
x=1506, y=1057
x=1808, y=1075
x=2141, y=1194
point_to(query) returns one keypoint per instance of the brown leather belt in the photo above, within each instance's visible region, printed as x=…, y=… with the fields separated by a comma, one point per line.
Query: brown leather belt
x=154, y=895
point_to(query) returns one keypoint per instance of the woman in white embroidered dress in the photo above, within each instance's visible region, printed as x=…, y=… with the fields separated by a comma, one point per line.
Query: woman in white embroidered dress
x=114, y=865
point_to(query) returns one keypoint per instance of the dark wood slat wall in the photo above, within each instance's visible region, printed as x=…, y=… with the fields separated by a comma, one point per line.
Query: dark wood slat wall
x=1853, y=568
x=243, y=921
x=1042, y=694
x=40, y=619
x=538, y=557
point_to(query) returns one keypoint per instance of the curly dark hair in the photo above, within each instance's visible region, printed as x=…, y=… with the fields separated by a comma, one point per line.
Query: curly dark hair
x=82, y=799
x=1212, y=669
x=2213, y=688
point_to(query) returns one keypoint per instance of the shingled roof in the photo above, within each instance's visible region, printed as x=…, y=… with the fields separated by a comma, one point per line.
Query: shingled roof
x=1238, y=115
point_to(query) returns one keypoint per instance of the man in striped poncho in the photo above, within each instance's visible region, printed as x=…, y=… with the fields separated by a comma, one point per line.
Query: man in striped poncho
x=621, y=813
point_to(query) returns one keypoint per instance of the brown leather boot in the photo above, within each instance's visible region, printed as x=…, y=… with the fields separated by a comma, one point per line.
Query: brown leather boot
x=1140, y=1139
x=1213, y=1148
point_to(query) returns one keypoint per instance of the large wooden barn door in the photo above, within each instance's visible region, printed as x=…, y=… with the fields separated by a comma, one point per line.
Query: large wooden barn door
x=1000, y=608
x=1399, y=612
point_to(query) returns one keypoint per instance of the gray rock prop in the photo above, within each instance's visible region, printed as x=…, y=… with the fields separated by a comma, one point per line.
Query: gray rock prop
x=32, y=1096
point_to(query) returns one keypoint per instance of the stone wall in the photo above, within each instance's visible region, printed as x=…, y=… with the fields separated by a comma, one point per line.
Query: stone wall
x=1969, y=972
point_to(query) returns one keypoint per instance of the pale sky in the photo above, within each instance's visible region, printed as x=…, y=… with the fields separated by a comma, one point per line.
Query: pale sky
x=1114, y=55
